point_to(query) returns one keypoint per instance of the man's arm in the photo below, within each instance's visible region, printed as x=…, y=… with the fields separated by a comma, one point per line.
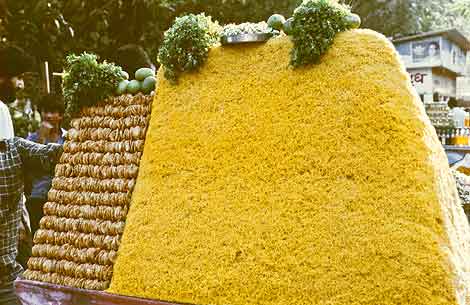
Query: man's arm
x=38, y=157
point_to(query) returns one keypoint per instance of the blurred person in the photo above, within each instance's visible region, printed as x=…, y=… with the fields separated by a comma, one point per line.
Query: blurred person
x=18, y=158
x=14, y=61
x=25, y=116
x=50, y=131
x=132, y=57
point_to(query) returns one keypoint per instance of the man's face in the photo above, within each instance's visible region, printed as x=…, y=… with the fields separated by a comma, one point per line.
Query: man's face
x=53, y=118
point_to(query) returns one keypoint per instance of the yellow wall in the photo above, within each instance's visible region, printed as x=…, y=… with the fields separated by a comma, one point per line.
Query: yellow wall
x=260, y=184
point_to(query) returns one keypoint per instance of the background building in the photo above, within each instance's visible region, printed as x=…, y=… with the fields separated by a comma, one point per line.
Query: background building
x=438, y=63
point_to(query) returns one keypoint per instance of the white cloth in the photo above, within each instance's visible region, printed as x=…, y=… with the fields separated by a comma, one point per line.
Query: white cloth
x=6, y=124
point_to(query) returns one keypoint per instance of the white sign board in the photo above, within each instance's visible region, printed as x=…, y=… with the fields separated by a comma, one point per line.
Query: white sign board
x=421, y=80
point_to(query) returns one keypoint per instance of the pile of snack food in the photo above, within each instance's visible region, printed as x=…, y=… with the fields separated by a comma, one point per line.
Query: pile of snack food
x=89, y=200
x=294, y=193
x=254, y=193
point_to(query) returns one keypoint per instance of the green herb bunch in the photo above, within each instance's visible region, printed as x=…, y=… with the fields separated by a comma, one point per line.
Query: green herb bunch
x=86, y=81
x=186, y=44
x=314, y=26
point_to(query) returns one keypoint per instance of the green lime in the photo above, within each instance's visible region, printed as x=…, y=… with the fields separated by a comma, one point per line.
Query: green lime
x=276, y=21
x=133, y=87
x=149, y=84
x=122, y=87
x=353, y=21
x=143, y=73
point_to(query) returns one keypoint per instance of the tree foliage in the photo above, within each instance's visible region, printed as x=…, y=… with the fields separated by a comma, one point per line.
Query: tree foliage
x=458, y=15
x=403, y=17
x=50, y=29
x=462, y=7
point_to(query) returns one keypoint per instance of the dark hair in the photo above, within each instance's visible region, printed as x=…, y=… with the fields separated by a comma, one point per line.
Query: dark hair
x=132, y=57
x=51, y=103
x=14, y=61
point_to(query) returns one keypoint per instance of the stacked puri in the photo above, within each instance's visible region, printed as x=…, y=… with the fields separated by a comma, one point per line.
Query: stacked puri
x=85, y=215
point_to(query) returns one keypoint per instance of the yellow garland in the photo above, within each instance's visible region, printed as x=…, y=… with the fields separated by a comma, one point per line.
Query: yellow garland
x=260, y=184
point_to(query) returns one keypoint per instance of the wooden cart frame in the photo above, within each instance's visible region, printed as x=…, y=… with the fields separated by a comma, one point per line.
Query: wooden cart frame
x=39, y=293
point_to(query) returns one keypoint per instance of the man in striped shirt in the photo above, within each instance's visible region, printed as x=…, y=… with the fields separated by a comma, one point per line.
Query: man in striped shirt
x=17, y=158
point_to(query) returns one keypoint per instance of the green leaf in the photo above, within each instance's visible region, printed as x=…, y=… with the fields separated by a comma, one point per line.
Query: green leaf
x=315, y=23
x=87, y=82
x=186, y=44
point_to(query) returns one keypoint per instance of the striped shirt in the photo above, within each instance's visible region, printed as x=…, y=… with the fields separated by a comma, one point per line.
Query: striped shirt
x=18, y=157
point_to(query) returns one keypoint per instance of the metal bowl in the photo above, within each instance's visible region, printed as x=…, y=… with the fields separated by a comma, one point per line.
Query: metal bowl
x=246, y=38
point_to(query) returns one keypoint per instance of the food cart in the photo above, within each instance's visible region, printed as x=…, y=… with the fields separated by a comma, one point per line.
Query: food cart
x=34, y=293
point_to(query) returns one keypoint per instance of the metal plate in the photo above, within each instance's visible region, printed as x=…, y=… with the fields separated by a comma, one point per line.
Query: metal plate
x=457, y=148
x=246, y=38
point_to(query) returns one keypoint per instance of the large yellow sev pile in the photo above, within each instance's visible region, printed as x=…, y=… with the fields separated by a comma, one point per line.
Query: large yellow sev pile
x=260, y=184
